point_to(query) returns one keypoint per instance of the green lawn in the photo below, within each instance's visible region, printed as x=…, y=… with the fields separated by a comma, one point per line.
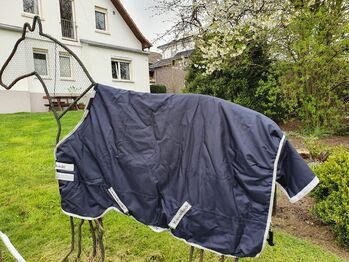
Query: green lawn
x=30, y=206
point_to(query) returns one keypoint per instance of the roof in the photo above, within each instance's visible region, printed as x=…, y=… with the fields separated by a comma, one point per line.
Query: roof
x=131, y=24
x=154, y=57
x=168, y=61
x=184, y=39
x=185, y=53
x=162, y=62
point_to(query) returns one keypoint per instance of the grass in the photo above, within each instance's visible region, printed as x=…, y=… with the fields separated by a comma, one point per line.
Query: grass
x=30, y=207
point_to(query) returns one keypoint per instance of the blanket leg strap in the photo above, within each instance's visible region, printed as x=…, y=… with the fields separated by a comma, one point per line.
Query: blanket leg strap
x=271, y=233
x=72, y=239
x=99, y=223
x=94, y=240
x=79, y=239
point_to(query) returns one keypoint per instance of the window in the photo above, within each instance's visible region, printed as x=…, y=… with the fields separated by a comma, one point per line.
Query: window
x=65, y=65
x=31, y=6
x=120, y=70
x=101, y=19
x=41, y=62
x=68, y=25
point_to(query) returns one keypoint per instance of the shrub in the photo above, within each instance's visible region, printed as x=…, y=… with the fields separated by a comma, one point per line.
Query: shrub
x=332, y=194
x=318, y=151
x=237, y=80
x=272, y=100
x=157, y=89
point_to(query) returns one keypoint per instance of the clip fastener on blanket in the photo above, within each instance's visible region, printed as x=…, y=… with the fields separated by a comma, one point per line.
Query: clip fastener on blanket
x=118, y=201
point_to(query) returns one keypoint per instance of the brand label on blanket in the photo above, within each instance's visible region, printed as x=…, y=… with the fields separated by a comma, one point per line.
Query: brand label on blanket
x=117, y=200
x=179, y=215
x=64, y=166
x=65, y=176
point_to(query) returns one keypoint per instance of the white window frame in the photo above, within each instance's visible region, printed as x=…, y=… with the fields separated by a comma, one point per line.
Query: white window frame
x=65, y=54
x=75, y=39
x=105, y=12
x=45, y=52
x=31, y=15
x=122, y=60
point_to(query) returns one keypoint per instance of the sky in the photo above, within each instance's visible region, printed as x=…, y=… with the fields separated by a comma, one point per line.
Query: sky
x=151, y=26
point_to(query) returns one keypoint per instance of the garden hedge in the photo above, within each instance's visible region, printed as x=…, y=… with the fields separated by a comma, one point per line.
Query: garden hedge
x=332, y=194
x=157, y=89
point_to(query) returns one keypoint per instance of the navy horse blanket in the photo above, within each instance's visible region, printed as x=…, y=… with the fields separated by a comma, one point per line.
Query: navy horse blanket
x=200, y=167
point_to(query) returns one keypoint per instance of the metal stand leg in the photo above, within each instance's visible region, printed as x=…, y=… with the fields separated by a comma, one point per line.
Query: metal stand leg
x=222, y=258
x=79, y=239
x=94, y=240
x=191, y=253
x=236, y=259
x=99, y=223
x=72, y=239
x=201, y=255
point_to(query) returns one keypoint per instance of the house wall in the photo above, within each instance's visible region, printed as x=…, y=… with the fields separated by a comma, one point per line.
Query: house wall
x=172, y=77
x=98, y=62
x=96, y=59
x=85, y=18
x=11, y=13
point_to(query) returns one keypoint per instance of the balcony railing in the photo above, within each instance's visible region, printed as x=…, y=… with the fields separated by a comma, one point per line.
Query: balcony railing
x=68, y=28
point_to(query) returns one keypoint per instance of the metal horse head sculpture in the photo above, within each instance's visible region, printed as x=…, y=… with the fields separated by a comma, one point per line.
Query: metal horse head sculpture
x=20, y=65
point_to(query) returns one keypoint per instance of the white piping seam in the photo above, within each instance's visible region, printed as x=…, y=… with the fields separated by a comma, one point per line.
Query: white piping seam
x=306, y=190
x=155, y=229
x=118, y=200
x=76, y=127
x=11, y=248
x=276, y=163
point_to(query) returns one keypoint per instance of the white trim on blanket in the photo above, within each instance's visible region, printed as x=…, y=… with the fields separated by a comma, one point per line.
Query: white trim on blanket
x=77, y=126
x=11, y=247
x=271, y=202
x=155, y=229
x=305, y=191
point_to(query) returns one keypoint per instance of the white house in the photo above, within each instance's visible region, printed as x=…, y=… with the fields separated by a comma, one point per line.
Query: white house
x=100, y=32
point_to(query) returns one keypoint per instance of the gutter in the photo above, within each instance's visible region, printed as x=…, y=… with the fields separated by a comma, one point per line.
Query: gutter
x=114, y=47
x=11, y=27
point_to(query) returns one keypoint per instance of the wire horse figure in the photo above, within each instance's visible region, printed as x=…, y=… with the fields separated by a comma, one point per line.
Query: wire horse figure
x=50, y=88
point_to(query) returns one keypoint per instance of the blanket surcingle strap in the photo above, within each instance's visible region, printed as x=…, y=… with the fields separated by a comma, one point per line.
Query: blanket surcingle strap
x=199, y=167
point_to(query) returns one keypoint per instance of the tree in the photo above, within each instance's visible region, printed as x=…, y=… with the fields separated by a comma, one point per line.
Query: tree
x=307, y=40
x=237, y=81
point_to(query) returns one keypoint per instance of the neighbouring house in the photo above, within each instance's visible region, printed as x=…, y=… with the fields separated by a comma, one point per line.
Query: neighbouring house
x=171, y=69
x=154, y=57
x=100, y=32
